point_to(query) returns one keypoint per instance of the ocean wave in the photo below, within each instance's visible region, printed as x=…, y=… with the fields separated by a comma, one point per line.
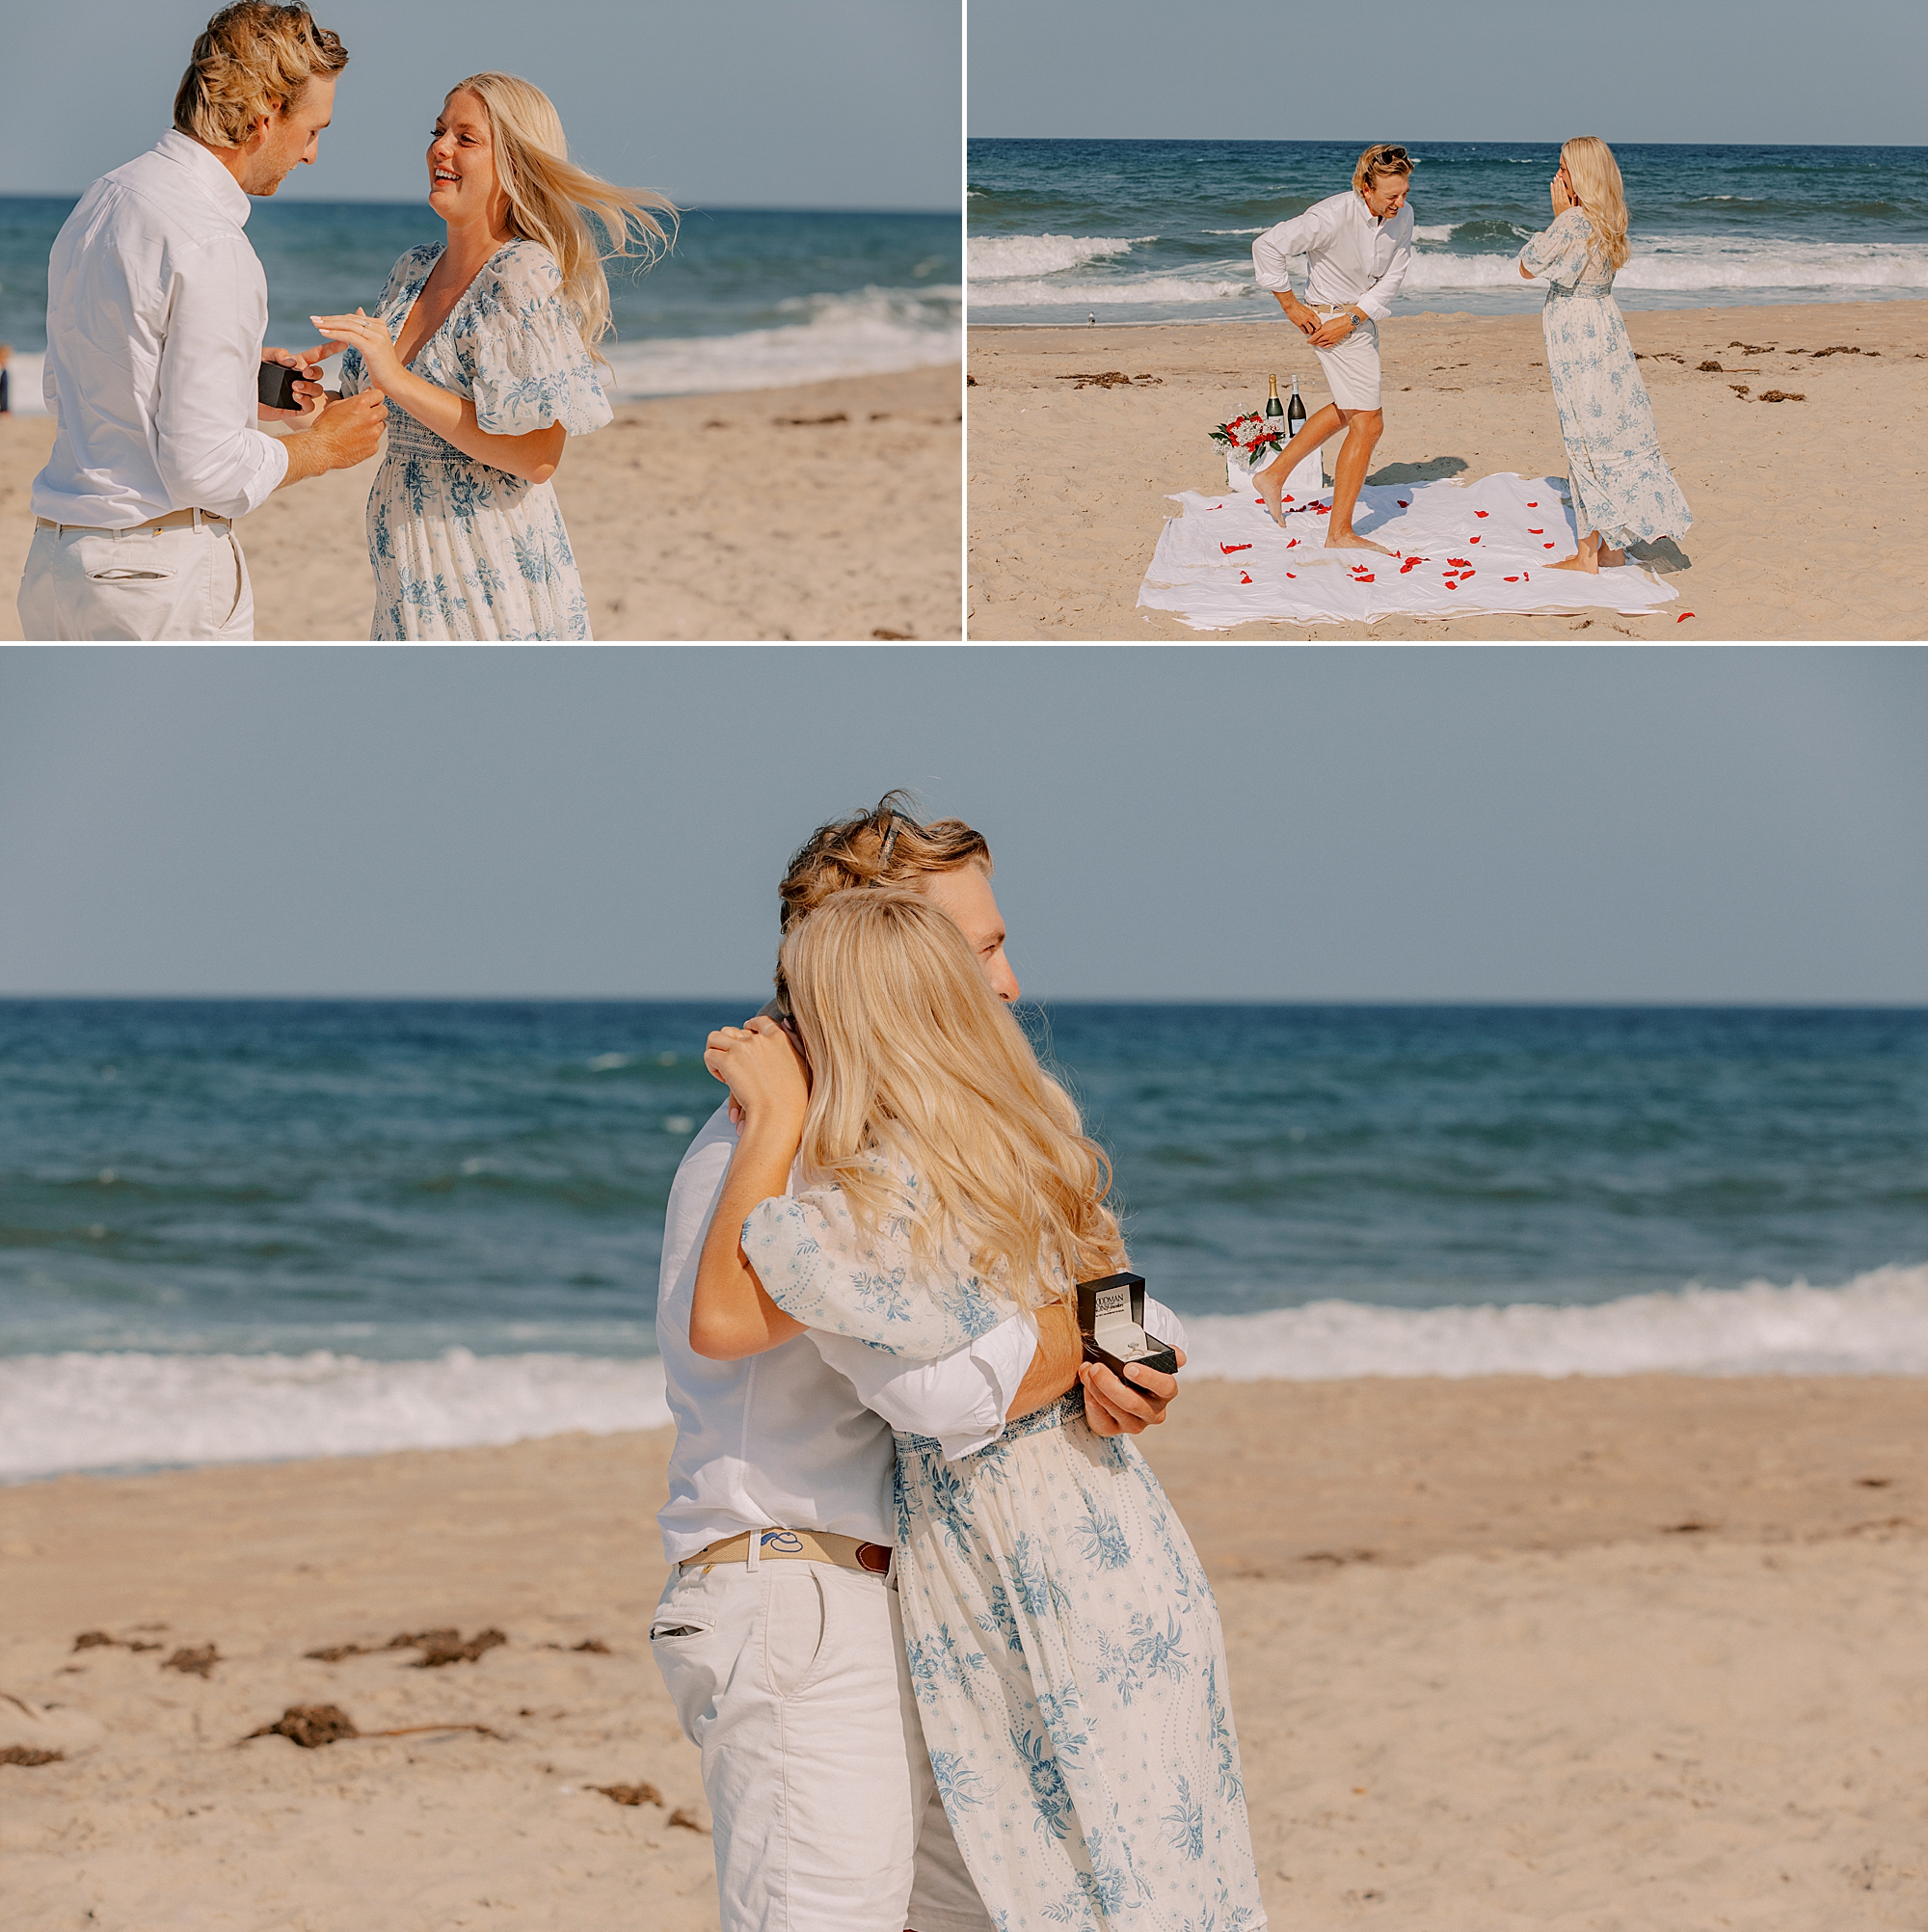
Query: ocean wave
x=1706, y=264
x=1010, y=257
x=1112, y=293
x=1232, y=231
x=1438, y=231
x=1876, y=1323
x=872, y=331
x=128, y=1411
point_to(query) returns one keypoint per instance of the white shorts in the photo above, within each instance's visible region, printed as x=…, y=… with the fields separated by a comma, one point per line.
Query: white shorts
x=91, y=586
x=1353, y=367
x=791, y=1680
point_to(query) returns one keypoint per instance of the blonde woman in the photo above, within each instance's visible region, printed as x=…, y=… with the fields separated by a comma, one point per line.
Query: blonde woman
x=1622, y=488
x=483, y=346
x=1062, y=1641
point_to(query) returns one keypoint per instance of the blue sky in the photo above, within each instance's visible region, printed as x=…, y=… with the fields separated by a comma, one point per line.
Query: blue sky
x=1193, y=822
x=761, y=103
x=1708, y=70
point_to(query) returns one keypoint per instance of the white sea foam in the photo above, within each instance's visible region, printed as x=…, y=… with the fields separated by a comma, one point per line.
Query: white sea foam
x=121, y=1410
x=1875, y=1325
x=1011, y=257
x=1124, y=290
x=871, y=332
x=1686, y=265
x=1437, y=231
x=23, y=384
x=1233, y=231
x=103, y=1411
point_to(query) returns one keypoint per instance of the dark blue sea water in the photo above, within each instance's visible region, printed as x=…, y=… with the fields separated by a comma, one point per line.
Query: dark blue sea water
x=1161, y=230
x=746, y=300
x=234, y=1227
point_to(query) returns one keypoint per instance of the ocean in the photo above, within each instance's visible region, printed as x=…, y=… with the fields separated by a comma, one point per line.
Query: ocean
x=243, y=1230
x=1162, y=230
x=747, y=299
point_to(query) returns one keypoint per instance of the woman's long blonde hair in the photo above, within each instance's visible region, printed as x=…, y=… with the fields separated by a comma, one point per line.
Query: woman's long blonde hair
x=912, y=1055
x=1596, y=176
x=549, y=195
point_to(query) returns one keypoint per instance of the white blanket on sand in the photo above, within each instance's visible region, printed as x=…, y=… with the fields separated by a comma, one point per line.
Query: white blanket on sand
x=1462, y=550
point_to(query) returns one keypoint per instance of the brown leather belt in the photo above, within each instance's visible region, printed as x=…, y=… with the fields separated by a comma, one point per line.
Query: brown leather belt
x=799, y=1545
x=175, y=520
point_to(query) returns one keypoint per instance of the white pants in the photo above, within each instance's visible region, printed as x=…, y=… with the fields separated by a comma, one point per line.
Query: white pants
x=791, y=1679
x=88, y=587
x=1353, y=367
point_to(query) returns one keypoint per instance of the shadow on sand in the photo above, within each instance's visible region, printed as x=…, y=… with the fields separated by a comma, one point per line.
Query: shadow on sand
x=1432, y=470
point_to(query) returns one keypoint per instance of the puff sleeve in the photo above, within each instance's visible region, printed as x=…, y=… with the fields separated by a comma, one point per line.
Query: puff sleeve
x=1558, y=253
x=525, y=357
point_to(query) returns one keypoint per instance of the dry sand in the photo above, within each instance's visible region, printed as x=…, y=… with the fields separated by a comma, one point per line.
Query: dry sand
x=1640, y=1655
x=828, y=511
x=1808, y=515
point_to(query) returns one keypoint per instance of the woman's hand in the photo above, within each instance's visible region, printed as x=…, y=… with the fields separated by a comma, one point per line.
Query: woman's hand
x=769, y=1087
x=369, y=334
x=1562, y=191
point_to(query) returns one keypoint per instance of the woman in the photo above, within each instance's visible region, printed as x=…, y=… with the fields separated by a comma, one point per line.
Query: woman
x=1622, y=490
x=1062, y=1639
x=482, y=346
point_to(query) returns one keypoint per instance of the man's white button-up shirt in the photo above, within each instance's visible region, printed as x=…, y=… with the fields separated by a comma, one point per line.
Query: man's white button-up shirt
x=1352, y=258
x=799, y=1437
x=157, y=312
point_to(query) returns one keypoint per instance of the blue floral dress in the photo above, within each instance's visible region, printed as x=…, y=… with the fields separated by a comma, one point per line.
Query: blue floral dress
x=1621, y=483
x=1062, y=1639
x=462, y=549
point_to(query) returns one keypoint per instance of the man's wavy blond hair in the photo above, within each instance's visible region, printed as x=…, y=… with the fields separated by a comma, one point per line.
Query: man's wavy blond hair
x=914, y=1058
x=1382, y=158
x=251, y=58
x=1596, y=176
x=549, y=196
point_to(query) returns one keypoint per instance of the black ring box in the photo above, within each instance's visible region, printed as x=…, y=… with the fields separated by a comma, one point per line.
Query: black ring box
x=1110, y=1310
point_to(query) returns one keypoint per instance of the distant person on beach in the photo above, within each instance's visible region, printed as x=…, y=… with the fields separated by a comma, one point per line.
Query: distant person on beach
x=1064, y=1648
x=1357, y=245
x=485, y=346
x=6, y=357
x=1622, y=490
x=779, y=1634
x=156, y=312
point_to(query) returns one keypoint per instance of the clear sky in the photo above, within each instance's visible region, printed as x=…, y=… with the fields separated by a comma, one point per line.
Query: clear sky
x=1713, y=70
x=1193, y=822
x=760, y=103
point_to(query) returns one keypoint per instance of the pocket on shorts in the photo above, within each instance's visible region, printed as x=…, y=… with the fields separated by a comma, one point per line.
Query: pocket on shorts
x=796, y=1620
x=129, y=574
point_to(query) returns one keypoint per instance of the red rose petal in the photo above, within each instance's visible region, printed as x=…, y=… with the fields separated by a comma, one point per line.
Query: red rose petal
x=1291, y=572
x=1245, y=577
x=1404, y=503
x=1536, y=533
x=1228, y=549
x=1479, y=513
x=1546, y=547
x=1513, y=579
x=1474, y=540
x=1532, y=506
x=1683, y=617
x=1287, y=497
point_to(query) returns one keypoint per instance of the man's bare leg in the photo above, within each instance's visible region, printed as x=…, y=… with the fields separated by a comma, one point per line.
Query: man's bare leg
x=1349, y=473
x=1327, y=422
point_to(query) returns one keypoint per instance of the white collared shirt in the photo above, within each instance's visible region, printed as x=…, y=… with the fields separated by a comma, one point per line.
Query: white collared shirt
x=1352, y=256
x=156, y=312
x=800, y=1437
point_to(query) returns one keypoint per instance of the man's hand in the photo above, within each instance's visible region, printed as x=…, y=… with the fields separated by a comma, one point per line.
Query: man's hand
x=345, y=433
x=1114, y=1408
x=1297, y=314
x=1334, y=330
x=306, y=365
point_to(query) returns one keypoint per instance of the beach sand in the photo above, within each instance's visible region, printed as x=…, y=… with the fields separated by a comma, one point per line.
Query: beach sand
x=831, y=510
x=1807, y=519
x=1622, y=1653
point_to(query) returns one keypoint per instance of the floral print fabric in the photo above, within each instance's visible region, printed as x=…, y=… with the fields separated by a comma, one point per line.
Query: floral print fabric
x=1062, y=1640
x=1621, y=483
x=462, y=549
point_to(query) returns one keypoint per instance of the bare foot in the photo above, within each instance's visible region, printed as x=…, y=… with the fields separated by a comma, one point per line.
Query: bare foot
x=1586, y=558
x=1344, y=540
x=1612, y=558
x=1271, y=486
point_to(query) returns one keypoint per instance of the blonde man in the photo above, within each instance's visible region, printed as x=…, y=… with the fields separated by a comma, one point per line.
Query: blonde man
x=779, y=1633
x=156, y=310
x=1357, y=247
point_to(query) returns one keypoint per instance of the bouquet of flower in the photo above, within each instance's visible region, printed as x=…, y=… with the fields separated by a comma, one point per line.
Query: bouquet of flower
x=1253, y=438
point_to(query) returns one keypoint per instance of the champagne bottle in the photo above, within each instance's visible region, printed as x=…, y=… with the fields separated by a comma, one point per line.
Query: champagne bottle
x=1273, y=406
x=1295, y=417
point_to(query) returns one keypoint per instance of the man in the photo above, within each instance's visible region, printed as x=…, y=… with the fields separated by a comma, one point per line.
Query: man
x=1357, y=245
x=779, y=1634
x=156, y=309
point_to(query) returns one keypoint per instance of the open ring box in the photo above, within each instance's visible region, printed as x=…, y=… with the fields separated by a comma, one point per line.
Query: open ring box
x=1111, y=1318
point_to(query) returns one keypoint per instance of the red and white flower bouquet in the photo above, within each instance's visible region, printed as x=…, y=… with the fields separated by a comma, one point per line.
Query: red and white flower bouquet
x=1253, y=438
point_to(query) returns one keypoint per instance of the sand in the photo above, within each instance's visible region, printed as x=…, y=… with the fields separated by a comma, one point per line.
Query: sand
x=1807, y=518
x=1640, y=1653
x=826, y=511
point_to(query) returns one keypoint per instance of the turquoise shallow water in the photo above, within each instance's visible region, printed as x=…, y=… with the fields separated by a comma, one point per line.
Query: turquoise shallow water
x=1161, y=230
x=255, y=1227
